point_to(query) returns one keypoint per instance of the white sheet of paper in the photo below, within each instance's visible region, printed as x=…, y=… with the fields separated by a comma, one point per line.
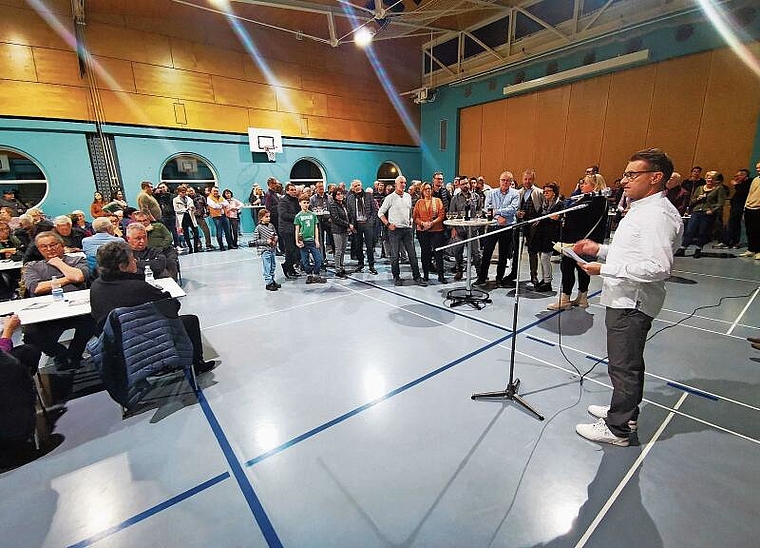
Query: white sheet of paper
x=568, y=251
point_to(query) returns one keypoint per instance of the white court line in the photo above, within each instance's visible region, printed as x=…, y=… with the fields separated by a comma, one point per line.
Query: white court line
x=739, y=317
x=589, y=379
x=715, y=276
x=271, y=312
x=619, y=489
x=716, y=320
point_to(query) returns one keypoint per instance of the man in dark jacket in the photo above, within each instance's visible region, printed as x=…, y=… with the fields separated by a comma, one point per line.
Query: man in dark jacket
x=362, y=211
x=733, y=230
x=287, y=210
x=439, y=190
x=121, y=284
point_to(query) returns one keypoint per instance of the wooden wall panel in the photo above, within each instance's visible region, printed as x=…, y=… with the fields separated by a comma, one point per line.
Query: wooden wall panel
x=241, y=93
x=521, y=134
x=625, y=128
x=364, y=132
x=285, y=74
x=549, y=140
x=287, y=122
x=17, y=63
x=732, y=103
x=493, y=138
x=58, y=67
x=43, y=100
x=470, y=132
x=674, y=121
x=24, y=26
x=133, y=108
x=153, y=80
x=115, y=74
x=585, y=126
x=356, y=109
x=128, y=44
x=216, y=117
x=206, y=59
x=302, y=102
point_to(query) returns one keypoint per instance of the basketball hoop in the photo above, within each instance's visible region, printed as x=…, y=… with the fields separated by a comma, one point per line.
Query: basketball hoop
x=271, y=153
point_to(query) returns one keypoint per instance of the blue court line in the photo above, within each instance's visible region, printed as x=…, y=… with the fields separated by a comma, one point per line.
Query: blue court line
x=596, y=359
x=267, y=529
x=392, y=393
x=693, y=391
x=542, y=341
x=151, y=511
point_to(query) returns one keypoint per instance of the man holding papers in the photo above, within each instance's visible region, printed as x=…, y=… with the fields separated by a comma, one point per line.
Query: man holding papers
x=637, y=263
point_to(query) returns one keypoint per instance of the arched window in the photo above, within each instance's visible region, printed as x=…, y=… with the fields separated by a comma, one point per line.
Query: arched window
x=387, y=172
x=307, y=171
x=24, y=176
x=188, y=168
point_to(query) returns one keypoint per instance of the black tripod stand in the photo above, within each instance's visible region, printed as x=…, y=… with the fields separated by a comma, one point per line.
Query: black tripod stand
x=510, y=392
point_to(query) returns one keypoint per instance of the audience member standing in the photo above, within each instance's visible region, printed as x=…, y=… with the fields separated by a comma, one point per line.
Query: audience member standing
x=428, y=218
x=217, y=206
x=464, y=200
x=677, y=194
x=147, y=203
x=272, y=202
x=706, y=205
x=752, y=217
x=168, y=217
x=201, y=212
x=184, y=207
x=361, y=214
x=340, y=229
x=265, y=238
x=396, y=215
x=288, y=207
x=233, y=214
x=504, y=204
x=531, y=202
x=733, y=232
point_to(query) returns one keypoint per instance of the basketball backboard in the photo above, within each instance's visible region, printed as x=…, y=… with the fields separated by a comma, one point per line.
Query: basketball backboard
x=265, y=139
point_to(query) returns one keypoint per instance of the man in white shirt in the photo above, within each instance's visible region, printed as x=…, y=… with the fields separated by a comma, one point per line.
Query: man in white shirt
x=637, y=263
x=396, y=215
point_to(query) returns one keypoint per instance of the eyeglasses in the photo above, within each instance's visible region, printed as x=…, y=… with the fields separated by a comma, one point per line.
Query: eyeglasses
x=630, y=175
x=48, y=246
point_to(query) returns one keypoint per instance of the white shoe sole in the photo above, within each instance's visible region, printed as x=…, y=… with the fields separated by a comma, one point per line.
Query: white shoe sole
x=596, y=411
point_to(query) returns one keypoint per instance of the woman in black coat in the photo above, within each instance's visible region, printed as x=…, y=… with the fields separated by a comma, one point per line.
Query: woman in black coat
x=546, y=234
x=339, y=224
x=119, y=284
x=583, y=223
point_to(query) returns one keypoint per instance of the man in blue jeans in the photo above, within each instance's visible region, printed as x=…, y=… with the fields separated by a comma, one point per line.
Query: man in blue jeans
x=396, y=215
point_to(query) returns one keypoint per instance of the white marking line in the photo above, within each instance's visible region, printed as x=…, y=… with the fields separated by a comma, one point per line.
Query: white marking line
x=211, y=265
x=271, y=312
x=589, y=379
x=715, y=276
x=619, y=489
x=659, y=377
x=739, y=317
x=697, y=316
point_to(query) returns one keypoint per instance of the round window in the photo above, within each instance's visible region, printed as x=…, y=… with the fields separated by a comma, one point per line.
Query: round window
x=188, y=168
x=387, y=172
x=307, y=172
x=22, y=181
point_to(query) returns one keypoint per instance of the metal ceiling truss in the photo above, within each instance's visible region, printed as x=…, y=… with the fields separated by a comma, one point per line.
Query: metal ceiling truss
x=611, y=18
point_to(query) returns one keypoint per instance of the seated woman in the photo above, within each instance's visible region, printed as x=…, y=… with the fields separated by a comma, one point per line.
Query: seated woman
x=119, y=284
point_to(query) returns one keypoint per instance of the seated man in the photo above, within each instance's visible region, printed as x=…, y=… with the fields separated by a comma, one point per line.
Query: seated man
x=72, y=273
x=103, y=234
x=137, y=238
x=121, y=283
x=160, y=238
x=71, y=236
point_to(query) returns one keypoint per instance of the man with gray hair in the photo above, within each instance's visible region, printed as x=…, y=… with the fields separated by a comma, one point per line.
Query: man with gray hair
x=103, y=234
x=72, y=274
x=137, y=238
x=72, y=235
x=396, y=215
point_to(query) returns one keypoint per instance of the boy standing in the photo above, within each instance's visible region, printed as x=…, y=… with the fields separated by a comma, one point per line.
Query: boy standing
x=307, y=239
x=265, y=238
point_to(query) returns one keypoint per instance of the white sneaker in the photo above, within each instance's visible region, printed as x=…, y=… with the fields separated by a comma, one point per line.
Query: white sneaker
x=747, y=254
x=599, y=432
x=600, y=412
x=757, y=256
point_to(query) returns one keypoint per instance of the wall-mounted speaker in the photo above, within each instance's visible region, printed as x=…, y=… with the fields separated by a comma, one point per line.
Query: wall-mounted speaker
x=552, y=68
x=468, y=90
x=520, y=77
x=589, y=58
x=634, y=44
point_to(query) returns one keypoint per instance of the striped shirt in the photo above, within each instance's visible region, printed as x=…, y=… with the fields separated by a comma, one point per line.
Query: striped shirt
x=262, y=235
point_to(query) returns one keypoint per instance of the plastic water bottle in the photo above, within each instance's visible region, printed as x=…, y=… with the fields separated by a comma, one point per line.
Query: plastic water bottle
x=149, y=276
x=57, y=290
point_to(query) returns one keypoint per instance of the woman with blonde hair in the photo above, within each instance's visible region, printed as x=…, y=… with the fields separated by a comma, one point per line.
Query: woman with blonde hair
x=590, y=223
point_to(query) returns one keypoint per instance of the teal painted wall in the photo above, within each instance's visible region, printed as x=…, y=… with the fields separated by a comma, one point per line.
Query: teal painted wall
x=61, y=150
x=450, y=99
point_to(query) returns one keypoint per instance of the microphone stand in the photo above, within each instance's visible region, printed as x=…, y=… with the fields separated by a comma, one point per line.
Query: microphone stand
x=510, y=391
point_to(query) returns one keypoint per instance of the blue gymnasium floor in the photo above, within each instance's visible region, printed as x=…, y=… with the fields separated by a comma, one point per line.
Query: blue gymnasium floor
x=340, y=415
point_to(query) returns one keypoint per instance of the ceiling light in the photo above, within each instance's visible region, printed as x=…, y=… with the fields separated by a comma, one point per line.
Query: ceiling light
x=363, y=37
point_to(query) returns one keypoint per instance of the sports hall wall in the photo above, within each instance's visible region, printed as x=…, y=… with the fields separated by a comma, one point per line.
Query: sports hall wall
x=172, y=79
x=696, y=100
